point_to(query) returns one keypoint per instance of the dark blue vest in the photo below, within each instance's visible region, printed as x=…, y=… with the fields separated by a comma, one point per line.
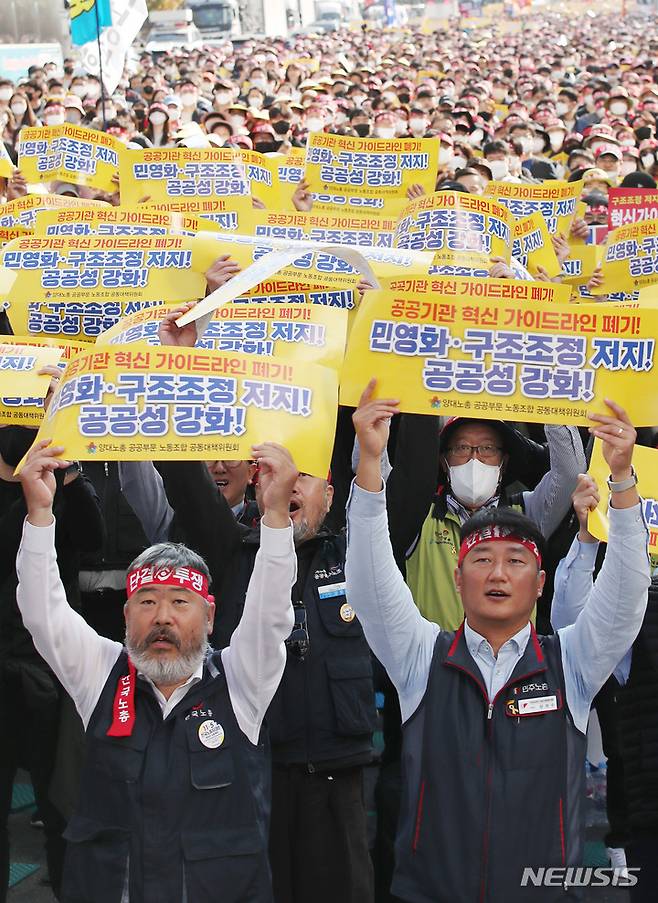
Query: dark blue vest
x=488, y=790
x=175, y=819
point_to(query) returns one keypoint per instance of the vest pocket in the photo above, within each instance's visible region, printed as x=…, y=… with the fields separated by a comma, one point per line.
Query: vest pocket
x=226, y=864
x=353, y=695
x=96, y=856
x=211, y=769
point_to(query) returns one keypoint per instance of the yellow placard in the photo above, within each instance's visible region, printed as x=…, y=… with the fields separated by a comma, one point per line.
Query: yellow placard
x=135, y=402
x=181, y=174
x=22, y=212
x=582, y=261
x=555, y=200
x=544, y=363
x=28, y=411
x=224, y=213
x=296, y=332
x=283, y=291
x=106, y=268
x=77, y=319
x=368, y=173
x=533, y=247
x=19, y=366
x=290, y=172
x=463, y=231
x=140, y=220
x=645, y=462
x=70, y=153
x=374, y=230
x=464, y=289
x=263, y=175
x=6, y=166
x=630, y=258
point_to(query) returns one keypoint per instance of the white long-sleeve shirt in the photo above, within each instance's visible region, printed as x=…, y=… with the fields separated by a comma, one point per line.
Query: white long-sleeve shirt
x=403, y=640
x=82, y=660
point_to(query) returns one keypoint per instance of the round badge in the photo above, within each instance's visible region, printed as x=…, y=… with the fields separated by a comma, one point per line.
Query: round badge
x=211, y=734
x=347, y=613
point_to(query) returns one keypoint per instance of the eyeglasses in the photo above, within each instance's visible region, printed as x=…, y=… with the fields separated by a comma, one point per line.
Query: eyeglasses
x=232, y=465
x=463, y=451
x=299, y=643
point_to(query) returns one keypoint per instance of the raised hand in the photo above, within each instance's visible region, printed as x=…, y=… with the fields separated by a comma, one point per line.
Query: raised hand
x=38, y=480
x=178, y=336
x=372, y=423
x=585, y=498
x=617, y=435
x=221, y=271
x=277, y=475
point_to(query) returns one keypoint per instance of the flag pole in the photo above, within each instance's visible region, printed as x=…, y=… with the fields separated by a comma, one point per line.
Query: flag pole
x=100, y=63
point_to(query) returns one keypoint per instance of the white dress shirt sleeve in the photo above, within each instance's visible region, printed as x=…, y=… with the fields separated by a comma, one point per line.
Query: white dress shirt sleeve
x=255, y=659
x=81, y=659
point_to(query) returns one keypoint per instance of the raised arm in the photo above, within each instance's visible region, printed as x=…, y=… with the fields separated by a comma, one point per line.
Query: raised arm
x=608, y=624
x=81, y=659
x=255, y=659
x=397, y=633
x=550, y=500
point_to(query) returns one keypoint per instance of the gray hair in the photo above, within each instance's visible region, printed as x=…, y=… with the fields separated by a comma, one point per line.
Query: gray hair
x=170, y=555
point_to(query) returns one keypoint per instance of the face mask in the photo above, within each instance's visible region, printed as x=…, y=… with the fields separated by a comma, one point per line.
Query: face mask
x=110, y=112
x=18, y=108
x=647, y=160
x=561, y=109
x=499, y=94
x=445, y=155
x=267, y=147
x=148, y=89
x=499, y=169
x=222, y=97
x=5, y=93
x=255, y=102
x=589, y=103
x=362, y=129
x=314, y=124
x=258, y=83
x=401, y=127
x=475, y=138
x=188, y=98
x=358, y=99
x=416, y=126
x=556, y=139
x=626, y=168
x=618, y=108
x=157, y=117
x=526, y=145
x=340, y=119
x=79, y=90
x=15, y=442
x=537, y=145
x=54, y=119
x=74, y=117
x=93, y=90
x=385, y=132
x=236, y=121
x=474, y=483
x=448, y=90
x=458, y=163
x=389, y=97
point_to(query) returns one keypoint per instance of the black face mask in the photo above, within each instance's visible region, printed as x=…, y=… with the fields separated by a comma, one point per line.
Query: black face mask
x=404, y=98
x=148, y=89
x=69, y=70
x=281, y=127
x=267, y=147
x=362, y=129
x=15, y=442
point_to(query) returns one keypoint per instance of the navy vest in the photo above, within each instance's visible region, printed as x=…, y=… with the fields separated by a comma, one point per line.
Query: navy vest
x=165, y=815
x=489, y=790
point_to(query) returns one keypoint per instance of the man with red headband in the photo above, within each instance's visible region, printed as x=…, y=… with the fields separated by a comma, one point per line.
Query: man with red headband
x=494, y=716
x=174, y=799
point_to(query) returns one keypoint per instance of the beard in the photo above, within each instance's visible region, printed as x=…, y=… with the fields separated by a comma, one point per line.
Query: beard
x=169, y=669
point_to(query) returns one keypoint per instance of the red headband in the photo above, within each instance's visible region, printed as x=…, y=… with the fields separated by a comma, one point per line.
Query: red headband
x=496, y=534
x=186, y=578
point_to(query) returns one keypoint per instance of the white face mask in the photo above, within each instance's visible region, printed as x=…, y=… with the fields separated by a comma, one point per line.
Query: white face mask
x=561, y=109
x=499, y=169
x=5, y=93
x=79, y=90
x=258, y=83
x=499, y=94
x=401, y=127
x=647, y=160
x=626, y=168
x=73, y=116
x=618, y=108
x=385, y=131
x=157, y=117
x=236, y=121
x=222, y=98
x=556, y=139
x=93, y=90
x=18, y=108
x=314, y=124
x=474, y=483
x=54, y=119
x=416, y=125
x=358, y=99
x=526, y=145
x=188, y=98
x=475, y=138
x=458, y=163
x=537, y=145
x=445, y=155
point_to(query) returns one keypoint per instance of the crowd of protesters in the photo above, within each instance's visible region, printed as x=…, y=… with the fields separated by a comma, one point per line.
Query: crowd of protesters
x=168, y=770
